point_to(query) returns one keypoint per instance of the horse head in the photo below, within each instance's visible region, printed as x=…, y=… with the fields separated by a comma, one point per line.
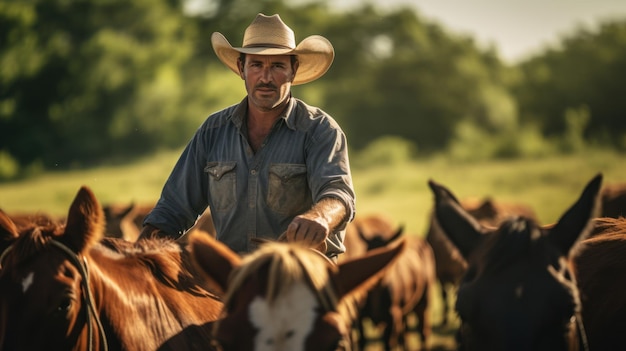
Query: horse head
x=284, y=296
x=42, y=277
x=518, y=292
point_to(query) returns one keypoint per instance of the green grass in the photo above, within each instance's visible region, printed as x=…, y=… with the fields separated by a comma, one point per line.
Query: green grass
x=549, y=185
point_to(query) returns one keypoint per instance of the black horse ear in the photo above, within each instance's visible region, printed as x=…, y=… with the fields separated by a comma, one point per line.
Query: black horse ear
x=463, y=230
x=577, y=222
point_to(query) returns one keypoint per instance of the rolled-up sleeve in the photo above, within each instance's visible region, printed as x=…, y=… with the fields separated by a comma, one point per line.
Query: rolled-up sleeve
x=329, y=167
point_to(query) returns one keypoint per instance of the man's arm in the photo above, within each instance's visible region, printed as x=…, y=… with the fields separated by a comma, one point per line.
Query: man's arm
x=313, y=227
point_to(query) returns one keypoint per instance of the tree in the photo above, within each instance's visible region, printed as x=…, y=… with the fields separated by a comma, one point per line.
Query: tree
x=583, y=72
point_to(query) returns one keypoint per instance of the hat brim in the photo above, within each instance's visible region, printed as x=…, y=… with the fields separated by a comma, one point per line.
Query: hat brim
x=315, y=55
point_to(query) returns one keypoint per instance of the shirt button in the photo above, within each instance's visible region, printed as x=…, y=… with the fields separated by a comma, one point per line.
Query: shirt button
x=253, y=172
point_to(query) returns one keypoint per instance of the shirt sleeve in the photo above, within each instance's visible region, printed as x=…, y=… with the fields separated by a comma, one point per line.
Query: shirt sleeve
x=183, y=198
x=328, y=166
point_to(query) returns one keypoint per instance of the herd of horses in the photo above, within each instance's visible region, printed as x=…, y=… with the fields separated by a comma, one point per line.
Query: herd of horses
x=83, y=282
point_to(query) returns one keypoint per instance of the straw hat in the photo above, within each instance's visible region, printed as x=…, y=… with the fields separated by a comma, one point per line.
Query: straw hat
x=269, y=35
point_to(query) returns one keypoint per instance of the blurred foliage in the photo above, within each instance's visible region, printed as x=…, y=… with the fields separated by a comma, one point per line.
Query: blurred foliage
x=384, y=151
x=585, y=71
x=88, y=82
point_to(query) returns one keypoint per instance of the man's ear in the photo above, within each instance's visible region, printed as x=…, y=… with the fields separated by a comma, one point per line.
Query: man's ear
x=296, y=64
x=240, y=67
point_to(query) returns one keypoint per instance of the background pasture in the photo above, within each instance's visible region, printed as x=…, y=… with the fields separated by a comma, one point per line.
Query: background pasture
x=398, y=189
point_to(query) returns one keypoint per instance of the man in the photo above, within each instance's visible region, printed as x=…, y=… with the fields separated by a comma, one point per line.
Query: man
x=271, y=165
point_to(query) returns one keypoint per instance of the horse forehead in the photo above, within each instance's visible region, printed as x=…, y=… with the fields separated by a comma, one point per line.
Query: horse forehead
x=520, y=286
x=286, y=322
x=39, y=272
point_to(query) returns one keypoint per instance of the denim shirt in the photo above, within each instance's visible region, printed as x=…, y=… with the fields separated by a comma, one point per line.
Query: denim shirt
x=302, y=160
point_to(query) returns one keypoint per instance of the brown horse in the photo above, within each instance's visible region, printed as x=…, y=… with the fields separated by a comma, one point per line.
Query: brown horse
x=284, y=296
x=600, y=268
x=62, y=288
x=404, y=289
x=613, y=200
x=126, y=220
x=518, y=292
x=120, y=221
x=450, y=264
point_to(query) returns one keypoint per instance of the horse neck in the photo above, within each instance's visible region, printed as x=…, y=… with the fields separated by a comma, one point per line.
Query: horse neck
x=129, y=297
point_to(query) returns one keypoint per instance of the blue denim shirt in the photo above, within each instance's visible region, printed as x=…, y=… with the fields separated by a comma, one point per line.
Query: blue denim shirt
x=303, y=159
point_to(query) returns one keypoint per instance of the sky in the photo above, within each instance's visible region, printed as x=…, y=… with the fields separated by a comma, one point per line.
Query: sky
x=517, y=28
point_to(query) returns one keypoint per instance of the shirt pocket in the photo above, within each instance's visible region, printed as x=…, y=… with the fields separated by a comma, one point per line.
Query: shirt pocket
x=288, y=192
x=222, y=184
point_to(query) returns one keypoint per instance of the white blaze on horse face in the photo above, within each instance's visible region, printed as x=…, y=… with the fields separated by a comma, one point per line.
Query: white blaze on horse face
x=27, y=281
x=284, y=325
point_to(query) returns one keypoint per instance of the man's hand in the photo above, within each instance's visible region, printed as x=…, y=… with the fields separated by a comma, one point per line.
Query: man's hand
x=313, y=227
x=309, y=228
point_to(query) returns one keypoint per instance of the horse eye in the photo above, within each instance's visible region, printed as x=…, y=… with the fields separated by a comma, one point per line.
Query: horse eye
x=65, y=305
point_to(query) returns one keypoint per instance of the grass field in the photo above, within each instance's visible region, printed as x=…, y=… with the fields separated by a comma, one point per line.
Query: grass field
x=549, y=185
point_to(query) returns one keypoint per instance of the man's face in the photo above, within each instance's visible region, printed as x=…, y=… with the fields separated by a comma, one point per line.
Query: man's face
x=268, y=79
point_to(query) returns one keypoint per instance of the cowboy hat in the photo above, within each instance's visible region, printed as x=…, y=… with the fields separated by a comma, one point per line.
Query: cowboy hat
x=269, y=35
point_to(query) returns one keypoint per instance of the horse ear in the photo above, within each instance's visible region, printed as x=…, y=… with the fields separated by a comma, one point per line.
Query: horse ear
x=362, y=272
x=396, y=235
x=214, y=259
x=8, y=230
x=460, y=227
x=577, y=222
x=359, y=231
x=85, y=221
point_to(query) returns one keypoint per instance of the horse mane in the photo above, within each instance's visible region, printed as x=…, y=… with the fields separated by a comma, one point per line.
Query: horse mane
x=287, y=264
x=610, y=225
x=511, y=242
x=165, y=258
x=33, y=238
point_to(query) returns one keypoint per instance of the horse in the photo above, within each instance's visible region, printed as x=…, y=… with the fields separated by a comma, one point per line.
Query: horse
x=285, y=296
x=65, y=287
x=120, y=221
x=450, y=264
x=613, y=200
x=369, y=225
x=519, y=292
x=600, y=266
x=405, y=288
x=126, y=220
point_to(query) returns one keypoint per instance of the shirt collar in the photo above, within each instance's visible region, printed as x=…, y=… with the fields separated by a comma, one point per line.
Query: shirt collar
x=288, y=115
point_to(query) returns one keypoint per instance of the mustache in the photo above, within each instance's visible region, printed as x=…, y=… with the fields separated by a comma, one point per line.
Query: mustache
x=267, y=85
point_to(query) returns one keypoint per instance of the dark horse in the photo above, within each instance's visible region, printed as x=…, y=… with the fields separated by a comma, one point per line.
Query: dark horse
x=285, y=297
x=519, y=292
x=63, y=287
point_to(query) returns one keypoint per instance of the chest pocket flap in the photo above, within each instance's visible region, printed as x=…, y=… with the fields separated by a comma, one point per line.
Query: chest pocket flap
x=218, y=169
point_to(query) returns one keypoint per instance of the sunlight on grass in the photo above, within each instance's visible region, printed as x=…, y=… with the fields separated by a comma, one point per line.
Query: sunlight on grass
x=548, y=185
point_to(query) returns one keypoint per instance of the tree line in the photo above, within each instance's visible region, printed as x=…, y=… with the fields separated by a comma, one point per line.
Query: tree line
x=84, y=82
